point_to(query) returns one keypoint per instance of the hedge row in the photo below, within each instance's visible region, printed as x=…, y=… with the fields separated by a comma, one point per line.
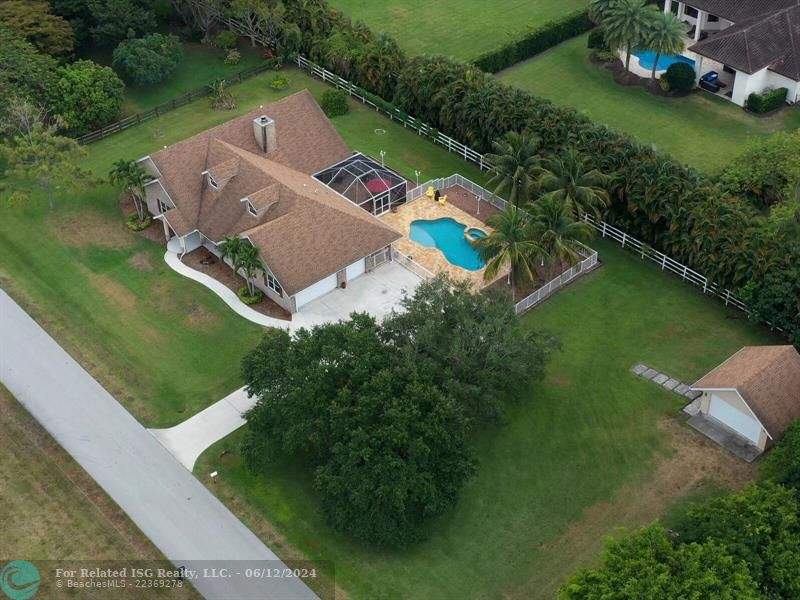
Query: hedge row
x=766, y=102
x=535, y=41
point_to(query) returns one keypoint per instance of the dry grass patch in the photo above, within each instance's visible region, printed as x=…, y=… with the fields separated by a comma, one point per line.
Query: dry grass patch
x=88, y=228
x=141, y=262
x=200, y=318
x=692, y=461
x=117, y=293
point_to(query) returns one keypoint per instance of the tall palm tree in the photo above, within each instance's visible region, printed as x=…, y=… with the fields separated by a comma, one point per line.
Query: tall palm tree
x=556, y=231
x=665, y=36
x=513, y=165
x=133, y=177
x=244, y=258
x=569, y=178
x=599, y=9
x=627, y=24
x=509, y=245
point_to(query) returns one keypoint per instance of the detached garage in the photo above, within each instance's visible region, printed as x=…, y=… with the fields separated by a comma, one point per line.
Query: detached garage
x=753, y=396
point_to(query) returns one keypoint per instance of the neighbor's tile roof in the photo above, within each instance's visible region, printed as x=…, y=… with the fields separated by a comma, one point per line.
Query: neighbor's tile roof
x=771, y=40
x=768, y=378
x=308, y=231
x=738, y=10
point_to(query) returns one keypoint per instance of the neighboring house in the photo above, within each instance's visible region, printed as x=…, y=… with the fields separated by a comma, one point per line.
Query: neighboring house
x=755, y=393
x=252, y=177
x=754, y=45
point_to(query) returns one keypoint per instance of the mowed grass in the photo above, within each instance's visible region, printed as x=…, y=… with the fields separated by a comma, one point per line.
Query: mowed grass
x=53, y=510
x=463, y=29
x=163, y=345
x=702, y=130
x=586, y=432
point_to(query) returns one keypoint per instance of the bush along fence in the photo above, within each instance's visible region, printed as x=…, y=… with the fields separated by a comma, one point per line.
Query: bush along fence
x=166, y=107
x=535, y=41
x=394, y=113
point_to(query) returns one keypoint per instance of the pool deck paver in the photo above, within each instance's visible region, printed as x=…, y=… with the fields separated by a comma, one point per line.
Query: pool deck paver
x=432, y=258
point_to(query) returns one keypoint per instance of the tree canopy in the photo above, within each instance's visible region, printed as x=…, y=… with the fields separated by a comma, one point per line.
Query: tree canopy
x=33, y=20
x=148, y=60
x=113, y=21
x=87, y=96
x=24, y=72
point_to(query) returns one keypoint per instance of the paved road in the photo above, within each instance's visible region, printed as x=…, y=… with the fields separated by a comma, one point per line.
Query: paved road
x=184, y=520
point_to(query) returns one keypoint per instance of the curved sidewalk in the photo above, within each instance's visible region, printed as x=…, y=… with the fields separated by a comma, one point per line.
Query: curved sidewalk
x=225, y=293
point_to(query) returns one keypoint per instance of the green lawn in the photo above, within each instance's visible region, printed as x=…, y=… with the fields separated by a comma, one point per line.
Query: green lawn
x=165, y=346
x=463, y=29
x=703, y=130
x=582, y=434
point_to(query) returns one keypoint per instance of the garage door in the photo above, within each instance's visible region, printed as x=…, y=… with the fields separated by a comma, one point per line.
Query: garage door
x=315, y=291
x=744, y=424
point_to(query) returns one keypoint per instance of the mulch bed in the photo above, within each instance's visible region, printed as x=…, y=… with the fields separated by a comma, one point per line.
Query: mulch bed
x=617, y=69
x=225, y=275
x=154, y=233
x=464, y=200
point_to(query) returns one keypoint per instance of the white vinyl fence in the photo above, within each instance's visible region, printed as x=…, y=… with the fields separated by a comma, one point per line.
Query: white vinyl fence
x=443, y=183
x=552, y=286
x=410, y=264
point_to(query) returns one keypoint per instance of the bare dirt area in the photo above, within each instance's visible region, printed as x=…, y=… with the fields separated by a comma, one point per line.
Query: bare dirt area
x=692, y=462
x=468, y=202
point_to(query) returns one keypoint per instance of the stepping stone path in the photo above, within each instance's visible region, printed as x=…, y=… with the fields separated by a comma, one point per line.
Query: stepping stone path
x=671, y=384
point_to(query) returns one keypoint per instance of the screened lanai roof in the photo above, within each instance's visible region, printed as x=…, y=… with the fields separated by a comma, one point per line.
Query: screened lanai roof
x=360, y=178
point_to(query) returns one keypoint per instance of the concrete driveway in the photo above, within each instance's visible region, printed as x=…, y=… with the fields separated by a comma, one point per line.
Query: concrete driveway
x=182, y=518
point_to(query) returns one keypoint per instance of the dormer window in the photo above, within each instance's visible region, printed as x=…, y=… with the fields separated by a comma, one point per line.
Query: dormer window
x=251, y=209
x=212, y=182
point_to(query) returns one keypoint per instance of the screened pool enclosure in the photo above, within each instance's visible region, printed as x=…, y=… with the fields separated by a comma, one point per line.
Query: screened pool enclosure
x=365, y=182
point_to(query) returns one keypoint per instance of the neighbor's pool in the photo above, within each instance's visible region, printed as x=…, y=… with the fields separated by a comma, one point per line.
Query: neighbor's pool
x=648, y=57
x=448, y=236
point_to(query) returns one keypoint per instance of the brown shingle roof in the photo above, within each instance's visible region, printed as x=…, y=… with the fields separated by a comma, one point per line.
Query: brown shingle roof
x=224, y=170
x=266, y=197
x=771, y=40
x=312, y=231
x=768, y=378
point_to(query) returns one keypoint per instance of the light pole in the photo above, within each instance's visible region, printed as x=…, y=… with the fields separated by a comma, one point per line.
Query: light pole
x=417, y=173
x=383, y=154
x=478, y=198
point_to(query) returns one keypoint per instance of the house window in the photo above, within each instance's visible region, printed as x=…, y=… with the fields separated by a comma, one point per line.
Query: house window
x=251, y=209
x=273, y=284
x=163, y=205
x=212, y=182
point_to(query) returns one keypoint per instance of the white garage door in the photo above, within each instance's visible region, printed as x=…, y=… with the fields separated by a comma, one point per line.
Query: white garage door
x=744, y=424
x=356, y=269
x=315, y=291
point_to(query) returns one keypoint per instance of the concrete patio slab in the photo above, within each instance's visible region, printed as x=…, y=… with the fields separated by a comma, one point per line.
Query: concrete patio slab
x=692, y=408
x=725, y=437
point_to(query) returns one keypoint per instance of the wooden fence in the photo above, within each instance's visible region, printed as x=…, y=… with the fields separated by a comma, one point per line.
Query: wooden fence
x=166, y=107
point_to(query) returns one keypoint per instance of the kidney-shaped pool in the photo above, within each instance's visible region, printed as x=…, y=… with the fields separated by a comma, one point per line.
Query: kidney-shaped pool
x=447, y=235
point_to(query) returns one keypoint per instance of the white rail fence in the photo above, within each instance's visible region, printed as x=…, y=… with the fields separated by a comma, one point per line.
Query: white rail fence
x=407, y=121
x=410, y=264
x=443, y=183
x=552, y=286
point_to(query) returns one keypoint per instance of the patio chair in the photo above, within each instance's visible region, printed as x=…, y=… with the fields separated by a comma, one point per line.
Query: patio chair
x=443, y=200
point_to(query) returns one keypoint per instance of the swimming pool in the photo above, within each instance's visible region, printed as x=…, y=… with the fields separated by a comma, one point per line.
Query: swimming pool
x=448, y=236
x=648, y=57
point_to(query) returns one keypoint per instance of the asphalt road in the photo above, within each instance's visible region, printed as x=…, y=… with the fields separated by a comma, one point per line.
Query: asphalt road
x=182, y=518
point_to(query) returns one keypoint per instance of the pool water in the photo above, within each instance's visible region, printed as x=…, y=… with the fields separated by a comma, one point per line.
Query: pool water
x=648, y=57
x=448, y=236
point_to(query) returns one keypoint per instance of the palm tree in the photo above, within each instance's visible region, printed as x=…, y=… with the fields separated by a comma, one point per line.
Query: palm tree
x=665, y=36
x=244, y=258
x=599, y=9
x=556, y=231
x=568, y=178
x=627, y=24
x=133, y=177
x=513, y=165
x=509, y=245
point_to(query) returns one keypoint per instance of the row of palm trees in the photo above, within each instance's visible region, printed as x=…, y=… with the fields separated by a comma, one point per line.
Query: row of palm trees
x=244, y=259
x=543, y=225
x=636, y=24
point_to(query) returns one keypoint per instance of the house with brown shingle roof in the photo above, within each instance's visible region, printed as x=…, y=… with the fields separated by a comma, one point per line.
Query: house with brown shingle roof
x=752, y=45
x=755, y=393
x=252, y=177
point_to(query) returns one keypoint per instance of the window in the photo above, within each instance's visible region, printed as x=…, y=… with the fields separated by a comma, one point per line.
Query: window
x=273, y=284
x=251, y=209
x=212, y=182
x=163, y=205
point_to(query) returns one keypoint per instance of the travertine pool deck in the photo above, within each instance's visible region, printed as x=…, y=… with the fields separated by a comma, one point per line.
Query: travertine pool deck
x=432, y=258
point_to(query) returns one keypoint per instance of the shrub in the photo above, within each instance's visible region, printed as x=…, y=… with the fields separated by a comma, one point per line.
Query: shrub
x=680, y=76
x=233, y=57
x=535, y=41
x=279, y=81
x=134, y=224
x=607, y=55
x=767, y=101
x=87, y=96
x=782, y=465
x=226, y=40
x=597, y=39
x=334, y=103
x=245, y=296
x=148, y=60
